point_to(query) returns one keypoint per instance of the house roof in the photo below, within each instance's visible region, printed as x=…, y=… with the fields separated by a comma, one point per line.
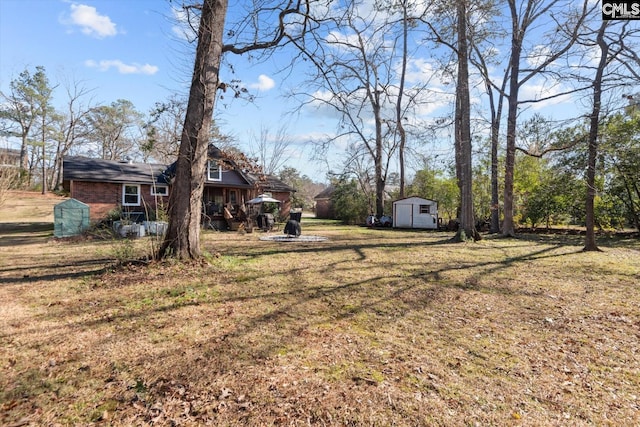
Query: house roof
x=98, y=170
x=234, y=176
x=326, y=193
x=271, y=183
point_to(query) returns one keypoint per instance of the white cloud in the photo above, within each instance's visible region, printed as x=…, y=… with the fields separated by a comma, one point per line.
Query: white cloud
x=540, y=89
x=538, y=55
x=264, y=83
x=419, y=70
x=182, y=28
x=91, y=22
x=122, y=68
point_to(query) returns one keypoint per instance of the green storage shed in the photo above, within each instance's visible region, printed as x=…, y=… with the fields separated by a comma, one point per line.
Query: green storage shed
x=70, y=218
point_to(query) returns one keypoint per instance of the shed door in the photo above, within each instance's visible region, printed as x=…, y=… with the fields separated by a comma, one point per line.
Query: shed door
x=404, y=216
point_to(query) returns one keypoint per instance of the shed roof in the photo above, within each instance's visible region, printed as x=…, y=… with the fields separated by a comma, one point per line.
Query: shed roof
x=71, y=203
x=98, y=170
x=414, y=199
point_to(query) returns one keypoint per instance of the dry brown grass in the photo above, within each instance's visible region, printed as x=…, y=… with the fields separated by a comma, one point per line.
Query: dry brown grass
x=372, y=327
x=28, y=206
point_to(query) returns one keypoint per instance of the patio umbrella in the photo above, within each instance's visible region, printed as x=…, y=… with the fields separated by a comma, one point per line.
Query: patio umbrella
x=263, y=198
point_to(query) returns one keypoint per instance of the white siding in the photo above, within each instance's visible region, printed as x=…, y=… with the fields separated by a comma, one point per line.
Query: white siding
x=406, y=213
x=403, y=215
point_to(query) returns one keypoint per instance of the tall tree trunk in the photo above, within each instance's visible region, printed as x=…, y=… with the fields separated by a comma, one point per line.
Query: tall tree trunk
x=185, y=203
x=590, y=238
x=496, y=118
x=380, y=179
x=633, y=210
x=380, y=182
x=24, y=154
x=508, y=226
x=494, y=226
x=467, y=228
x=399, y=123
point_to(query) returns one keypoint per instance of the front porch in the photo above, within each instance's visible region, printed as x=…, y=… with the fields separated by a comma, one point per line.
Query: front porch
x=215, y=200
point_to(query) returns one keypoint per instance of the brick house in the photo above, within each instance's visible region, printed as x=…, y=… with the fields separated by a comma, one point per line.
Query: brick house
x=106, y=185
x=324, y=205
x=139, y=188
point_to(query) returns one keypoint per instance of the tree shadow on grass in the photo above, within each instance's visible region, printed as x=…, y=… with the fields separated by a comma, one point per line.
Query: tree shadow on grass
x=24, y=233
x=627, y=240
x=240, y=341
x=54, y=272
x=290, y=300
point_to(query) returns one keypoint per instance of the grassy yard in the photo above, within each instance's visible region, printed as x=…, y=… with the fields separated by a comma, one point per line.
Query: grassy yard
x=26, y=206
x=370, y=327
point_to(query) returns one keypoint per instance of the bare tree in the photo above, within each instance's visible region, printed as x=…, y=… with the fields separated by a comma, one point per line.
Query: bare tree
x=455, y=30
x=113, y=129
x=69, y=128
x=182, y=239
x=163, y=129
x=358, y=165
x=183, y=236
x=464, y=170
x=271, y=149
x=354, y=76
x=618, y=65
x=525, y=17
x=9, y=175
x=594, y=121
x=403, y=5
x=482, y=58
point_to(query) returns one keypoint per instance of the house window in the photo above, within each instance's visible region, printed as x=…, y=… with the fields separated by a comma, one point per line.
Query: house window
x=233, y=197
x=159, y=190
x=214, y=171
x=425, y=209
x=130, y=195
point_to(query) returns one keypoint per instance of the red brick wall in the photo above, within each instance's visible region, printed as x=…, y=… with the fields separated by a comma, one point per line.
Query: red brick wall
x=285, y=206
x=324, y=209
x=103, y=197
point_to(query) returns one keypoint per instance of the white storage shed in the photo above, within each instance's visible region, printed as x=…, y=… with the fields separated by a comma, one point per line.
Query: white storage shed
x=415, y=212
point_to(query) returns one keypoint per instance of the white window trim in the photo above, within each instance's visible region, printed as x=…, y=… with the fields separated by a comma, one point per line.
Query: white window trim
x=124, y=203
x=164, y=190
x=209, y=177
x=428, y=208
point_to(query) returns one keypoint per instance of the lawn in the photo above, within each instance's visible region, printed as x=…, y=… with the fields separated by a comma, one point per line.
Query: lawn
x=370, y=327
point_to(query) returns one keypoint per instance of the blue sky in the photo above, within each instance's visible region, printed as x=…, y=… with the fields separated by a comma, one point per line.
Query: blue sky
x=133, y=50
x=122, y=49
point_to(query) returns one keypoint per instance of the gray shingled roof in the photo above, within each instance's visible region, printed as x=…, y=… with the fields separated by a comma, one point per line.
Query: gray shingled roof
x=326, y=193
x=270, y=183
x=99, y=170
